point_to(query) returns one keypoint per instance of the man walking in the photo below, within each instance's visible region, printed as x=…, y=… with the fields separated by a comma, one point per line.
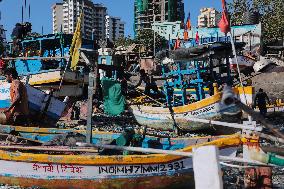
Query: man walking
x=260, y=100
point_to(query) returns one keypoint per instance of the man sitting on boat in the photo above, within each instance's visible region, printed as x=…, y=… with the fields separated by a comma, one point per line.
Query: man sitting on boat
x=17, y=113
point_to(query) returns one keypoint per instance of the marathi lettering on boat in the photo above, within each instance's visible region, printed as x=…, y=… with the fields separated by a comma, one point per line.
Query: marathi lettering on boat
x=203, y=110
x=51, y=168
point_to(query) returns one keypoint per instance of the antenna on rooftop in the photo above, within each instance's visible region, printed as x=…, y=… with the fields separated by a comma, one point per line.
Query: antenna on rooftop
x=29, y=11
x=22, y=14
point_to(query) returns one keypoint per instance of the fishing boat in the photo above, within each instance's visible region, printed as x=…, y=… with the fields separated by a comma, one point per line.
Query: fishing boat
x=210, y=108
x=88, y=168
x=44, y=63
x=191, y=80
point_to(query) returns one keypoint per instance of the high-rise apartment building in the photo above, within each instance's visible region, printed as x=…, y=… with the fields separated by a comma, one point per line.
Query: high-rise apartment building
x=114, y=28
x=208, y=17
x=100, y=12
x=66, y=14
x=57, y=17
x=147, y=12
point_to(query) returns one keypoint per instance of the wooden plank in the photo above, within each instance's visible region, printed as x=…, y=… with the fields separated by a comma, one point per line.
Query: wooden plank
x=207, y=170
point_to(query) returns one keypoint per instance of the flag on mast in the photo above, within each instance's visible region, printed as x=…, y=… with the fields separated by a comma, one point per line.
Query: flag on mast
x=188, y=22
x=185, y=33
x=197, y=38
x=76, y=44
x=224, y=23
x=177, y=43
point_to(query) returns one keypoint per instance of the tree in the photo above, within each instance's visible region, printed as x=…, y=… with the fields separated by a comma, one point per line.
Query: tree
x=123, y=41
x=2, y=48
x=146, y=38
x=271, y=12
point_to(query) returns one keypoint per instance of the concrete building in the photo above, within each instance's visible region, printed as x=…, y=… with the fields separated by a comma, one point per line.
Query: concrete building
x=114, y=28
x=66, y=14
x=100, y=13
x=168, y=29
x=147, y=12
x=57, y=17
x=208, y=17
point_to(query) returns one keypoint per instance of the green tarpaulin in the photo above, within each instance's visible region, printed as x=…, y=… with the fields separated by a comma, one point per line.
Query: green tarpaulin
x=114, y=101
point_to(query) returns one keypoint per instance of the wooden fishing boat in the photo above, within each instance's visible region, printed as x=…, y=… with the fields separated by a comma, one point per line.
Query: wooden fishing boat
x=191, y=77
x=45, y=135
x=210, y=108
x=38, y=168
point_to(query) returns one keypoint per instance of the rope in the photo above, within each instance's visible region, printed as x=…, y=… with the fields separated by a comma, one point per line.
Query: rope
x=150, y=97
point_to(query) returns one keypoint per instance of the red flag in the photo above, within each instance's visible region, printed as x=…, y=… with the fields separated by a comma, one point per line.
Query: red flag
x=224, y=23
x=197, y=38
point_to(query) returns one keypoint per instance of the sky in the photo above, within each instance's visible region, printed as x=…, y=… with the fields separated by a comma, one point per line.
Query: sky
x=41, y=12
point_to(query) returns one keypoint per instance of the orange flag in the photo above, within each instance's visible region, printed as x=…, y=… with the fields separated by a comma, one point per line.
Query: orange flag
x=177, y=44
x=188, y=22
x=185, y=33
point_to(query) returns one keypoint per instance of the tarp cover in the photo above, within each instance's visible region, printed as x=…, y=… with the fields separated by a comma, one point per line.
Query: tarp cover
x=114, y=101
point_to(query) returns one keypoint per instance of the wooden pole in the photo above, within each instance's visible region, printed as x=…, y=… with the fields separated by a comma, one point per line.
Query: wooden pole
x=90, y=107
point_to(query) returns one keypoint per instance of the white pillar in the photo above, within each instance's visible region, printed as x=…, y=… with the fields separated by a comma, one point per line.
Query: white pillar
x=207, y=170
